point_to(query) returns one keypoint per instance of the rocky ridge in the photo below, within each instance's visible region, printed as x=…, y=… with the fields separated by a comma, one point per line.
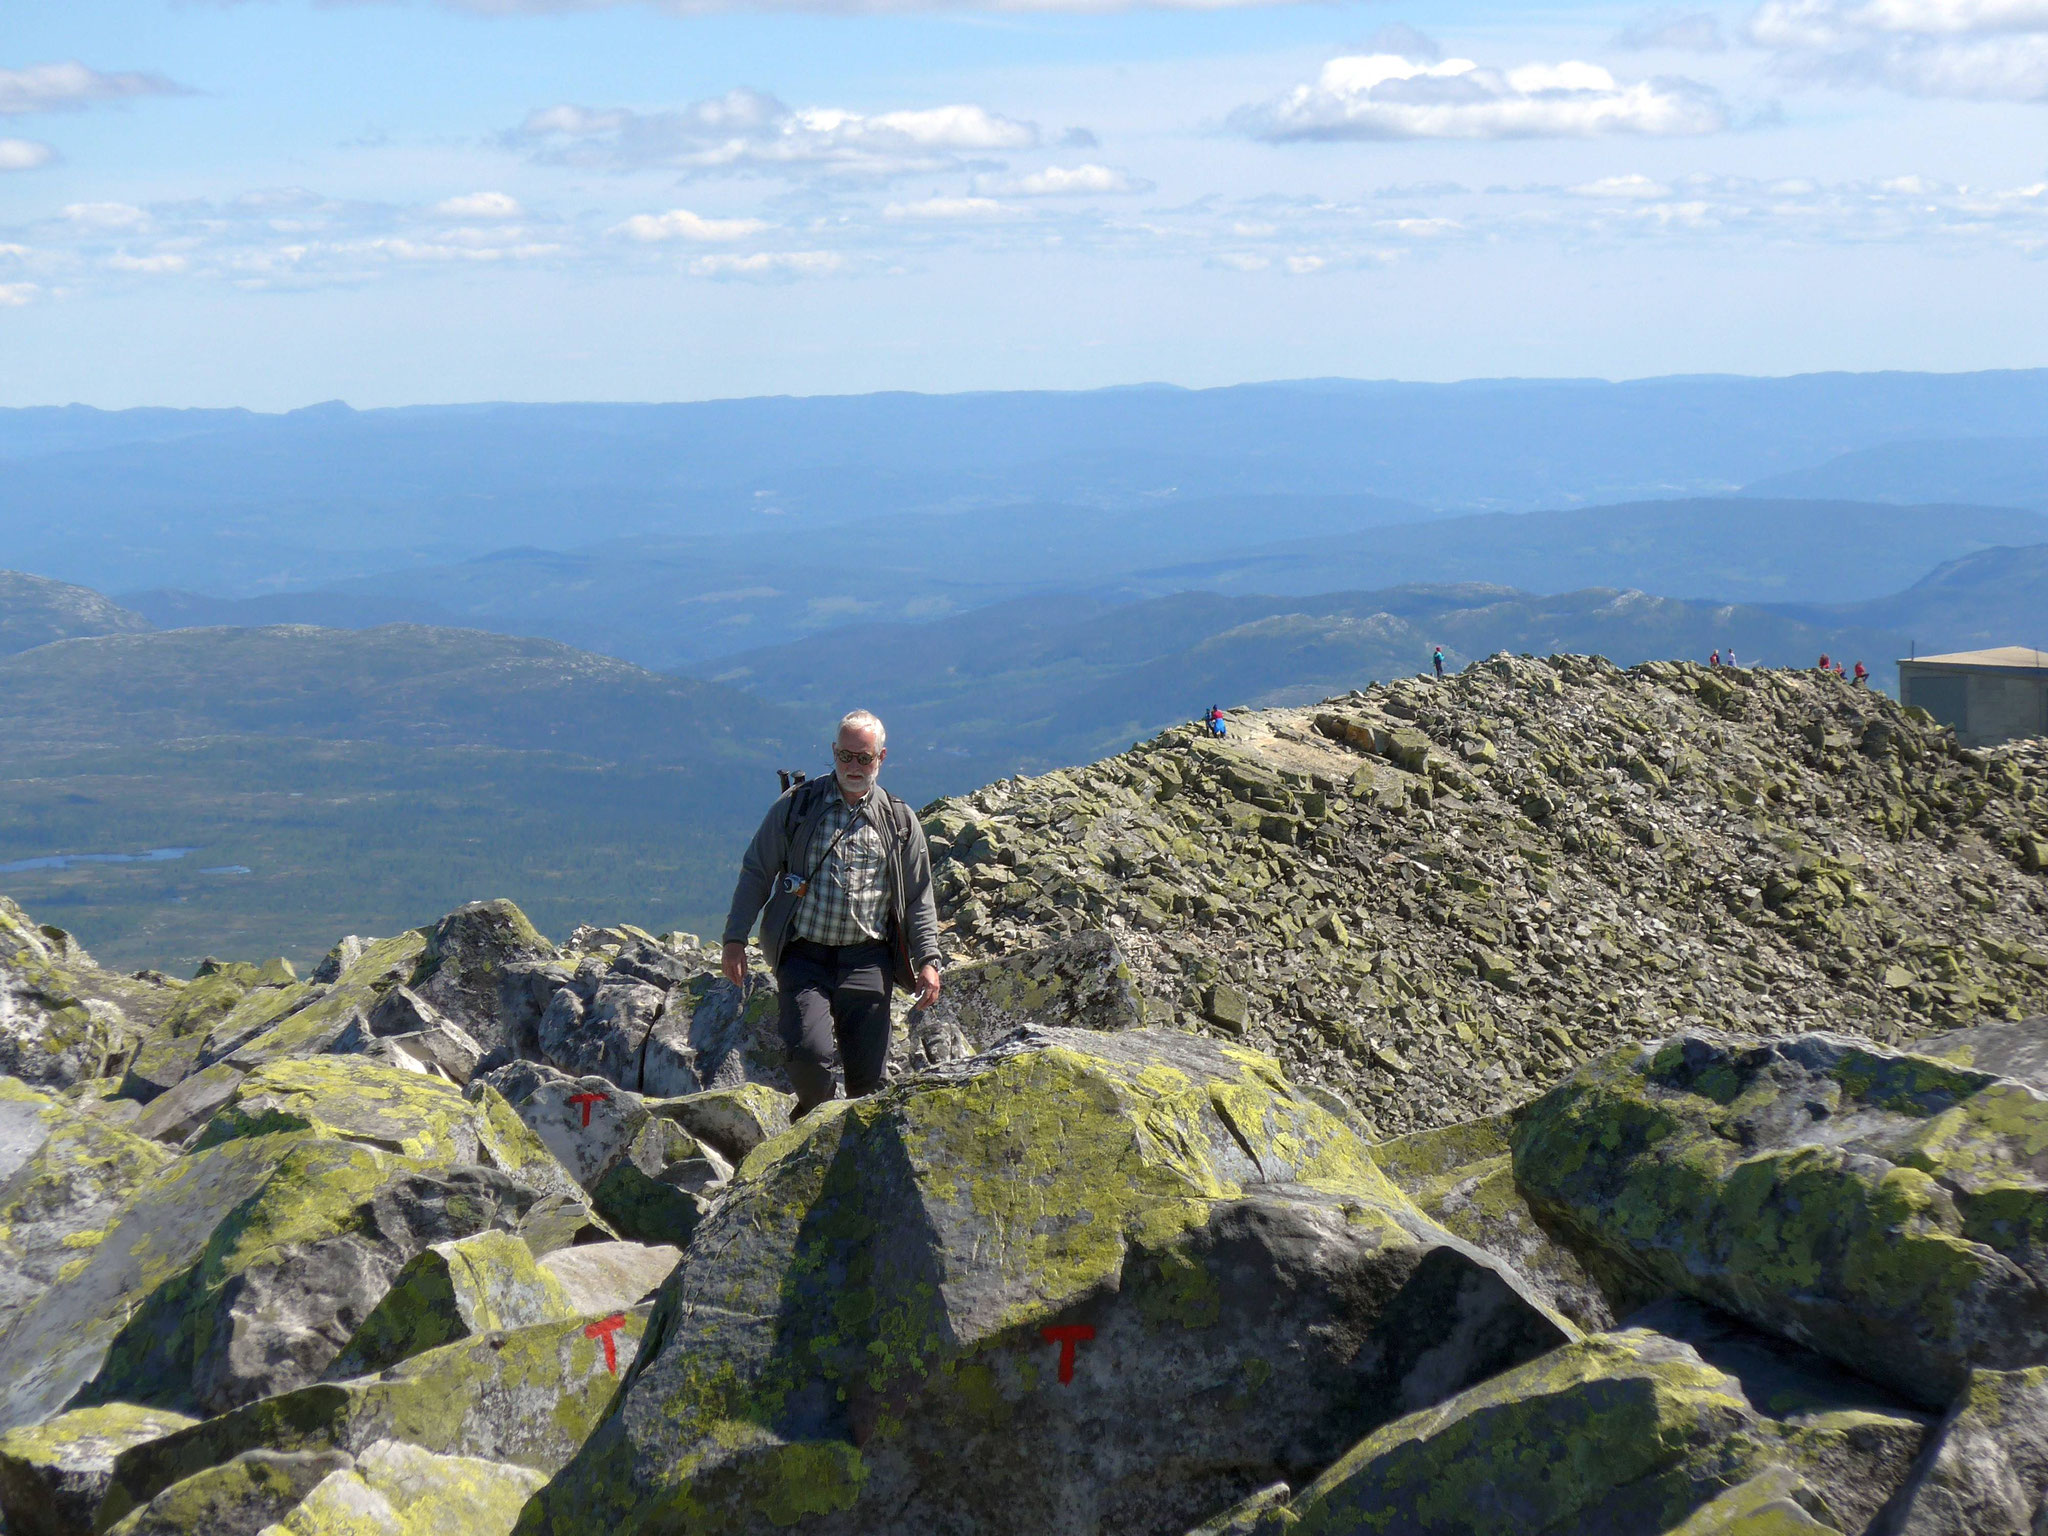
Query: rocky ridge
x=1721, y=1215
x=1440, y=897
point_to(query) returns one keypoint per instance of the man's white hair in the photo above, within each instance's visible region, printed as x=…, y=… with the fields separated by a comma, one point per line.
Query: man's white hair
x=863, y=720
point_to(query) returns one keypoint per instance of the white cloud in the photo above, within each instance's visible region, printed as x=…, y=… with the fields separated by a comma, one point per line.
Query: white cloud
x=681, y=224
x=1386, y=96
x=1302, y=266
x=1679, y=31
x=749, y=131
x=947, y=208
x=70, y=86
x=121, y=261
x=1065, y=181
x=15, y=295
x=481, y=205
x=1243, y=261
x=1974, y=49
x=105, y=215
x=768, y=264
x=24, y=154
x=1633, y=186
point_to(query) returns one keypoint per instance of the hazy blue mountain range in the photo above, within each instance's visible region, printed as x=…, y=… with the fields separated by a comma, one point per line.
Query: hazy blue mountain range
x=1732, y=549
x=1995, y=597
x=684, y=603
x=1993, y=471
x=235, y=503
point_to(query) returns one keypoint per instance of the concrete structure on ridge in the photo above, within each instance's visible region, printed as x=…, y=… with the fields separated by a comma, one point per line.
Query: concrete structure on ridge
x=1988, y=696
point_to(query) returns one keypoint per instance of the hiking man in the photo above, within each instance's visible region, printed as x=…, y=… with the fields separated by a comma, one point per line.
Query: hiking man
x=1436, y=658
x=1714, y=660
x=843, y=869
x=1862, y=675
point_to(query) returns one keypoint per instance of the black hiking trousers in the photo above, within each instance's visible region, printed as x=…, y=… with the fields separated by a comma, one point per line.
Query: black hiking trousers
x=835, y=1009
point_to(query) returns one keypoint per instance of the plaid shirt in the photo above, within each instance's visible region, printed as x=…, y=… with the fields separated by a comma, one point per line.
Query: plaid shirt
x=848, y=902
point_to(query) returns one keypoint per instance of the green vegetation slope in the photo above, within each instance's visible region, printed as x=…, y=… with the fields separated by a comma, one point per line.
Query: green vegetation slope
x=332, y=780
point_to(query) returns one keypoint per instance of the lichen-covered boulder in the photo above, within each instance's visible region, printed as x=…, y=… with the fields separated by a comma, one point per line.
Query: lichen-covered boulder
x=53, y=1475
x=58, y=1025
x=160, y=1064
x=317, y=1015
x=449, y=1291
x=241, y=1268
x=1882, y=1207
x=1629, y=1433
x=1463, y=1177
x=471, y=968
x=610, y=1277
x=395, y=1489
x=963, y=1304
x=24, y=1123
x=238, y=1498
x=644, y=1173
x=586, y=1122
x=733, y=1121
x=712, y=1034
x=76, y=1171
x=1082, y=982
x=1985, y=1470
x=178, y=1114
x=529, y=1396
x=2018, y=1050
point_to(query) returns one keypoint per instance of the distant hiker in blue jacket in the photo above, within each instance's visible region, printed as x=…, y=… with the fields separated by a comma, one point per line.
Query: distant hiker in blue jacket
x=1437, y=660
x=1215, y=721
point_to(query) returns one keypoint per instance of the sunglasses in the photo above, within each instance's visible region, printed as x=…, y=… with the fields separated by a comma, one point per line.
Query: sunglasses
x=850, y=758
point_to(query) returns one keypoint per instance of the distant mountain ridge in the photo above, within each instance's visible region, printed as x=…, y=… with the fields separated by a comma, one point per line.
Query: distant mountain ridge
x=35, y=610
x=240, y=503
x=1994, y=471
x=684, y=603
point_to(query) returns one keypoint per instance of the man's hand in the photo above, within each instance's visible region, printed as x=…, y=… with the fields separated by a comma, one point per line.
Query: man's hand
x=734, y=964
x=927, y=987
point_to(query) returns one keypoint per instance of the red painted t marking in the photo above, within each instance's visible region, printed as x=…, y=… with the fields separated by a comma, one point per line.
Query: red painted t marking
x=604, y=1330
x=586, y=1100
x=1066, y=1335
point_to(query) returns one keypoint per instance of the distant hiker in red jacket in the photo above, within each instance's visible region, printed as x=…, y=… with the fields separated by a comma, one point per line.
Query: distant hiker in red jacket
x=1862, y=675
x=1824, y=662
x=1714, y=660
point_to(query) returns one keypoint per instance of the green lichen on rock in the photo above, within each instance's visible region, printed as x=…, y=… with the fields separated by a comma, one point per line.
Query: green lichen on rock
x=56, y=1204
x=237, y=1498
x=1775, y=1502
x=382, y=964
x=529, y=1396
x=1885, y=1208
x=451, y=1291
x=1463, y=1177
x=53, y=1475
x=351, y=1098
x=857, y=1327
x=1626, y=1431
x=396, y=1489
x=1985, y=1468
x=734, y=1120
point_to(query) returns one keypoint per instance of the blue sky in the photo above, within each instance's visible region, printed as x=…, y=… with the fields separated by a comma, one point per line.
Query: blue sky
x=275, y=202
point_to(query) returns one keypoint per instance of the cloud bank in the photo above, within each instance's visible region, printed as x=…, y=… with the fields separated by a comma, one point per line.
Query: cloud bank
x=749, y=131
x=1388, y=96
x=1982, y=50
x=70, y=86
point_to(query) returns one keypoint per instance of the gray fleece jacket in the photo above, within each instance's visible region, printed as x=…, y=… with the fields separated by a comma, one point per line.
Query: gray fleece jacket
x=783, y=845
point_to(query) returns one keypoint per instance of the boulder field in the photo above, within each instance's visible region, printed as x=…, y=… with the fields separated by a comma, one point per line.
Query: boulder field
x=1240, y=1184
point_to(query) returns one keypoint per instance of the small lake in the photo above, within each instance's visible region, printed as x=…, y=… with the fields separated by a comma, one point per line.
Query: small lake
x=67, y=860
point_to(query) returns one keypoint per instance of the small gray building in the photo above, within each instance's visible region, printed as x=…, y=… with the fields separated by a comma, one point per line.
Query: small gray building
x=1988, y=696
